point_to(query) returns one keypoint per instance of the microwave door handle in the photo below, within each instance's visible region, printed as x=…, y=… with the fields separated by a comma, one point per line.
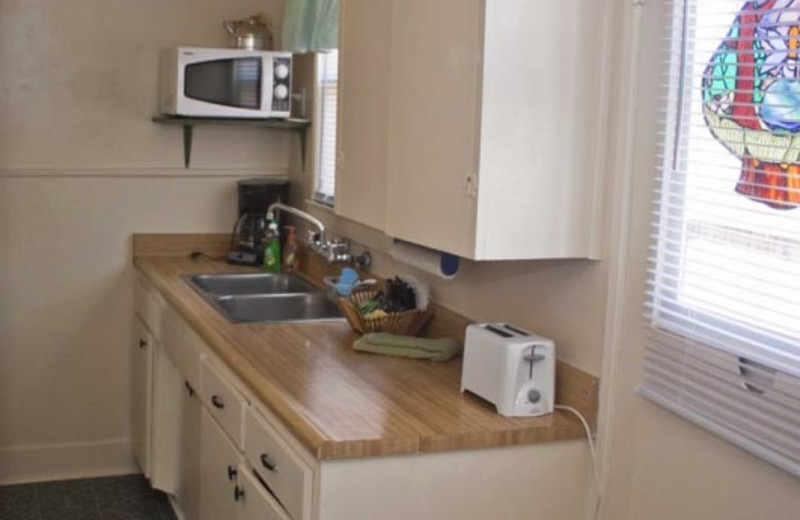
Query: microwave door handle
x=268, y=71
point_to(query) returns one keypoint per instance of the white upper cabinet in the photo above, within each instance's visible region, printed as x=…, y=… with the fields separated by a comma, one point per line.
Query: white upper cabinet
x=495, y=126
x=363, y=110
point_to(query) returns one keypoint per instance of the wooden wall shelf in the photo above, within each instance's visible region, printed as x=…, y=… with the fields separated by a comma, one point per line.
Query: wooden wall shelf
x=188, y=123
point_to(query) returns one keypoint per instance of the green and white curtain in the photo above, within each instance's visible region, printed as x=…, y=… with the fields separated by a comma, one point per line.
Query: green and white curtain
x=310, y=25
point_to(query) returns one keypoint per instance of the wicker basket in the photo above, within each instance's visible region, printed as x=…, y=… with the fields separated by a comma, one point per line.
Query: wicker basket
x=406, y=323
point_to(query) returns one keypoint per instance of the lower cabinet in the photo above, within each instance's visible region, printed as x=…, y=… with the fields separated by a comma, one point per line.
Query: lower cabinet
x=167, y=420
x=141, y=393
x=175, y=435
x=222, y=455
x=255, y=502
x=276, y=464
x=188, y=492
x=188, y=425
x=219, y=468
x=228, y=488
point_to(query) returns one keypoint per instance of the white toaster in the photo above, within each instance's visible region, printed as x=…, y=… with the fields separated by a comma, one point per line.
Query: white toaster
x=511, y=368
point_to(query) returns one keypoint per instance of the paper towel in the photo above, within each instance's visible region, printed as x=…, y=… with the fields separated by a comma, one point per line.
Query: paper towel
x=429, y=260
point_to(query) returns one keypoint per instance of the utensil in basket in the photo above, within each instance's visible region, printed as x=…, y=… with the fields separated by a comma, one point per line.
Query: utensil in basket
x=405, y=323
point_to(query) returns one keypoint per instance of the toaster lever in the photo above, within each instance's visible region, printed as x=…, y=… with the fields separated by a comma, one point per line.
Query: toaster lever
x=534, y=358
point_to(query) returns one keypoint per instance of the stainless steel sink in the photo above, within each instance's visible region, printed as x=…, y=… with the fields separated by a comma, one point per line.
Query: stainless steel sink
x=279, y=308
x=264, y=298
x=250, y=283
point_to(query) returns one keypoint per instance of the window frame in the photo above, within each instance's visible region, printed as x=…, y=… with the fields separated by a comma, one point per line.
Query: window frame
x=320, y=85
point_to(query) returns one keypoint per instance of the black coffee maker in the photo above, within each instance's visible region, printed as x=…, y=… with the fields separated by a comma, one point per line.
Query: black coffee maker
x=255, y=196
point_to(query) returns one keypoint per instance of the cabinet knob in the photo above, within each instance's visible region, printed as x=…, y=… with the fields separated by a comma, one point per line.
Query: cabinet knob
x=231, y=473
x=142, y=343
x=238, y=493
x=267, y=462
x=217, y=401
x=189, y=388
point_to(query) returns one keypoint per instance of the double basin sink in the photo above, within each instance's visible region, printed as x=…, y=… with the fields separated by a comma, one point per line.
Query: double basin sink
x=265, y=298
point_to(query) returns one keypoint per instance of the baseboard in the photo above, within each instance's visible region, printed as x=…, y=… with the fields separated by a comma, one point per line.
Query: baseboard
x=22, y=464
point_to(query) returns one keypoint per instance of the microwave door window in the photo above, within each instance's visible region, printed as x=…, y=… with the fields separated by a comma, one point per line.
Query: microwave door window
x=230, y=82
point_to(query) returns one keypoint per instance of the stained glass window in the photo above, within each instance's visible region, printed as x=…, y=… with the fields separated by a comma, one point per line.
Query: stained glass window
x=723, y=346
x=751, y=99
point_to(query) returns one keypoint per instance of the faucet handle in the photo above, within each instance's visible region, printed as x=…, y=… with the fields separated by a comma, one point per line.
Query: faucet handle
x=363, y=261
x=338, y=249
x=339, y=243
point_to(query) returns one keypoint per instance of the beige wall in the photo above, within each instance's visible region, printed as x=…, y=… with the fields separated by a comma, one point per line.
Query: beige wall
x=81, y=168
x=656, y=465
x=562, y=300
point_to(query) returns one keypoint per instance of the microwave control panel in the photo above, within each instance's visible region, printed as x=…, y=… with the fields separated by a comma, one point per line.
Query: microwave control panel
x=281, y=90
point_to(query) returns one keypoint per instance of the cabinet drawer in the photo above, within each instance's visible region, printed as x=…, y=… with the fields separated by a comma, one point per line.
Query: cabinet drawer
x=257, y=503
x=148, y=307
x=284, y=472
x=223, y=401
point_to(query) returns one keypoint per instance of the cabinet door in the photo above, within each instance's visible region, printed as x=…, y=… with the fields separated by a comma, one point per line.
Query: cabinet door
x=255, y=502
x=363, y=110
x=219, y=463
x=141, y=393
x=188, y=493
x=176, y=435
x=433, y=123
x=289, y=478
x=542, y=130
x=168, y=389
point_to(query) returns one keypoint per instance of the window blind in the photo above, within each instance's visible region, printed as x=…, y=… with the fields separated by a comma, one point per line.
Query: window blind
x=327, y=88
x=723, y=300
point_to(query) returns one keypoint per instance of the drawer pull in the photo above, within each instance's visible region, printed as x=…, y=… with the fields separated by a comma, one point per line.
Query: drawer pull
x=238, y=493
x=189, y=388
x=232, y=473
x=142, y=343
x=267, y=462
x=217, y=401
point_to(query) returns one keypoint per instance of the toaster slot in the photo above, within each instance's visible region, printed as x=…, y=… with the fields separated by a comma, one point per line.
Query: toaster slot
x=518, y=331
x=499, y=332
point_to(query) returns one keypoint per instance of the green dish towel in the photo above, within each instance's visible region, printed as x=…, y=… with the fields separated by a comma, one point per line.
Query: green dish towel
x=407, y=346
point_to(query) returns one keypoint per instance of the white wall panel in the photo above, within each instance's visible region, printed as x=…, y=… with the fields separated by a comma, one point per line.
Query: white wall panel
x=79, y=85
x=82, y=167
x=66, y=303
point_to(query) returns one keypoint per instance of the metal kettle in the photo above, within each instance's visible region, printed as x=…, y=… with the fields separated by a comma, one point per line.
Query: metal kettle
x=253, y=33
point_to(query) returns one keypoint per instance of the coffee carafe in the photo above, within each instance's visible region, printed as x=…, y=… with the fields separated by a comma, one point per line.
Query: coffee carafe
x=255, y=196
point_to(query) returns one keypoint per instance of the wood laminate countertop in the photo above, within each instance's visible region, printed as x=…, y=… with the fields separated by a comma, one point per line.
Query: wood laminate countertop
x=340, y=403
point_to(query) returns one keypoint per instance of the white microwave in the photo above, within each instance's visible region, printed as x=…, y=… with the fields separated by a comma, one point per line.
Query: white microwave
x=202, y=82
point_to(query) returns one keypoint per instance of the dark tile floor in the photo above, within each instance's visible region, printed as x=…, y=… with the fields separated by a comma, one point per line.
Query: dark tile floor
x=112, y=498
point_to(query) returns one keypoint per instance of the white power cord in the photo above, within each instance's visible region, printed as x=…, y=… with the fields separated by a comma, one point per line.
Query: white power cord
x=592, y=451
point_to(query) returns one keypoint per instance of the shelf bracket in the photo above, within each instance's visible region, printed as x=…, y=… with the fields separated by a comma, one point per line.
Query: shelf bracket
x=303, y=140
x=188, y=134
x=188, y=123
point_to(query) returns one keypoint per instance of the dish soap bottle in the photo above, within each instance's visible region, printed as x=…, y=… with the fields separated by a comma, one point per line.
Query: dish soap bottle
x=290, y=260
x=272, y=249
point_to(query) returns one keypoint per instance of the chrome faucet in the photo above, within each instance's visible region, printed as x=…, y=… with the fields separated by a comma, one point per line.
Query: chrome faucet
x=334, y=251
